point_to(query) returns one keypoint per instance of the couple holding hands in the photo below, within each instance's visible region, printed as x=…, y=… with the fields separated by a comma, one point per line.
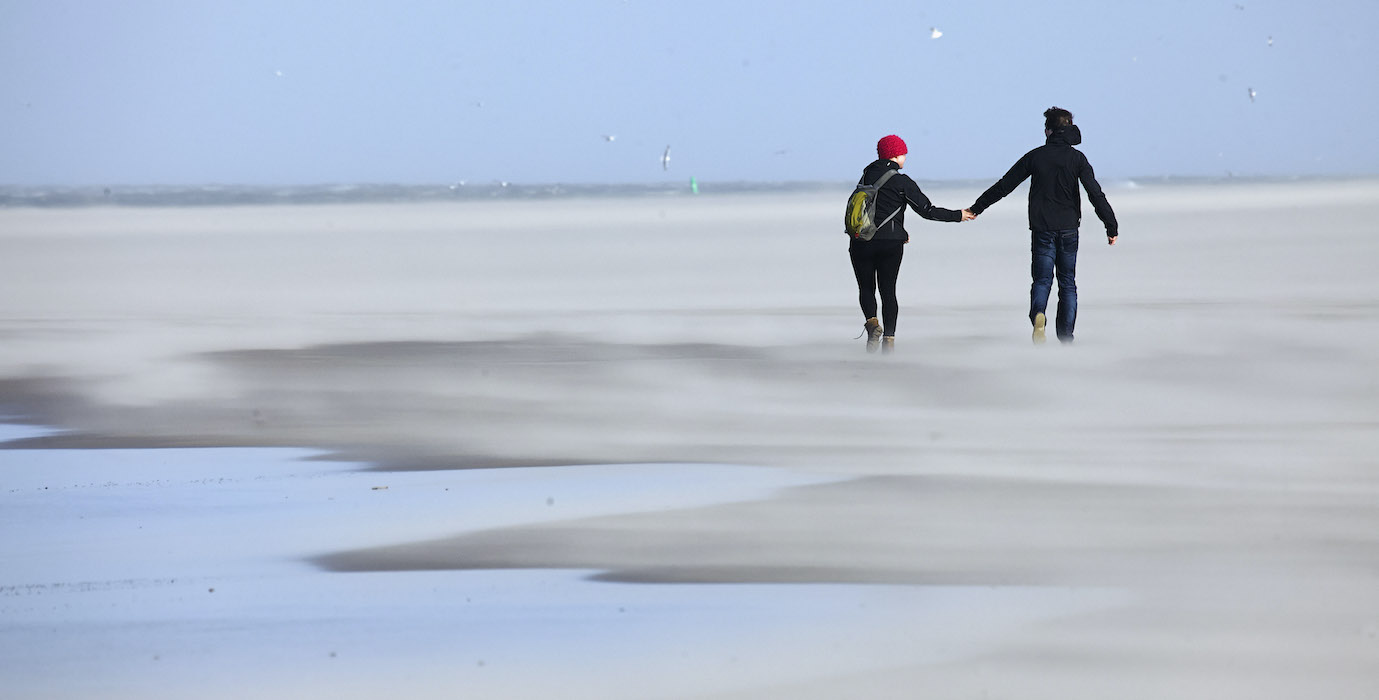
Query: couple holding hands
x=1055, y=212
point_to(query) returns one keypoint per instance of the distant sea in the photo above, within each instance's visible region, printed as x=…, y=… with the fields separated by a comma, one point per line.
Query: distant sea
x=223, y=195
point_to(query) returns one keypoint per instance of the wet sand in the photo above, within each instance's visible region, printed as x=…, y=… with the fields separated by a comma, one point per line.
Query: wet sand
x=1206, y=448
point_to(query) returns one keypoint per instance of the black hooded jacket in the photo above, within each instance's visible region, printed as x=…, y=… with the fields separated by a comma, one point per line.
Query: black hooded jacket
x=1054, y=201
x=895, y=194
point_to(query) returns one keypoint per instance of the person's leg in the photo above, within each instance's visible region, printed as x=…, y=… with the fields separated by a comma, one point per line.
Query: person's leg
x=864, y=267
x=1041, y=264
x=863, y=256
x=1066, y=264
x=887, y=272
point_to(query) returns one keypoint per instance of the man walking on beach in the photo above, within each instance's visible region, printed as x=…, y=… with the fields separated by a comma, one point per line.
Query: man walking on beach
x=1055, y=212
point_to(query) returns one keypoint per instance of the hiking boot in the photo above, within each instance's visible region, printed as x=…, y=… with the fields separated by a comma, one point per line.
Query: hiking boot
x=872, y=329
x=888, y=345
x=1040, y=321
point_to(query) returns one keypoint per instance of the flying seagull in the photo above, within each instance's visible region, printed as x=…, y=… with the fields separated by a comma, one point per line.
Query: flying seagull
x=665, y=159
x=1252, y=94
x=934, y=33
x=610, y=137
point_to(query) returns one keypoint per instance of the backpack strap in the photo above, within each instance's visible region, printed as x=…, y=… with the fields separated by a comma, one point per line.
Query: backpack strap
x=879, y=182
x=884, y=177
x=892, y=216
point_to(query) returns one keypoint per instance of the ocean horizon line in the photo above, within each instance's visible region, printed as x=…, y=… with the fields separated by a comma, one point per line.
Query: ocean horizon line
x=215, y=194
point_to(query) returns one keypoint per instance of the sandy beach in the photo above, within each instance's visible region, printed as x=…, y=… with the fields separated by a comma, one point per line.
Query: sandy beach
x=632, y=448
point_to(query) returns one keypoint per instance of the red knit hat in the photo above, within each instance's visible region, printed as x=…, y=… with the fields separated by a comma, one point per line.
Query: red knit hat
x=890, y=146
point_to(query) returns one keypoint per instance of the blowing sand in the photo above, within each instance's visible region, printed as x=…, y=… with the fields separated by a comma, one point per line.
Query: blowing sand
x=1185, y=503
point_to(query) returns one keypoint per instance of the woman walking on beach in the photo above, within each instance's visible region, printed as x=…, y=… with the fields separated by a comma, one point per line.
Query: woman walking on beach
x=876, y=262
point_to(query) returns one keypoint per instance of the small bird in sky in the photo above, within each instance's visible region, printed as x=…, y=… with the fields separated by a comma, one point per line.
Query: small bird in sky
x=1252, y=94
x=1271, y=41
x=665, y=159
x=934, y=33
x=610, y=137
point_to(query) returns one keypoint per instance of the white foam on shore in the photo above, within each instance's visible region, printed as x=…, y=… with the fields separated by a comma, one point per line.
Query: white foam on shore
x=182, y=572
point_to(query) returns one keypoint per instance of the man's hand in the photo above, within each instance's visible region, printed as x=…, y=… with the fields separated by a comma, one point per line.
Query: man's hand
x=1111, y=240
x=967, y=215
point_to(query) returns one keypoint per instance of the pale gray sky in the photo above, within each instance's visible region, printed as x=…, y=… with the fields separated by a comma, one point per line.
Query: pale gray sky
x=284, y=92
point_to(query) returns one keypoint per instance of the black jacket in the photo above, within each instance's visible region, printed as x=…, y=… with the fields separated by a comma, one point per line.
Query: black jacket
x=895, y=194
x=1054, y=201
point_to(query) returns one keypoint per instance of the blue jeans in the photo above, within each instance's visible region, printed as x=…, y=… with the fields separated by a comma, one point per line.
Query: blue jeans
x=1054, y=252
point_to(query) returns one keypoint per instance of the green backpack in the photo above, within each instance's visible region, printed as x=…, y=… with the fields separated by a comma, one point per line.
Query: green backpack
x=860, y=216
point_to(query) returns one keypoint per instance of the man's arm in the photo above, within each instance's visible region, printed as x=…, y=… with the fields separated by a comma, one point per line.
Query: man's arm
x=1003, y=186
x=922, y=206
x=1099, y=203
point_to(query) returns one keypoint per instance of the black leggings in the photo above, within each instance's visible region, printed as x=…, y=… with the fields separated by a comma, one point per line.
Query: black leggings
x=877, y=265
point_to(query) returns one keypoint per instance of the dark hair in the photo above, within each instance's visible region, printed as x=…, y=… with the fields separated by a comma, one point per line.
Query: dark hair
x=1056, y=118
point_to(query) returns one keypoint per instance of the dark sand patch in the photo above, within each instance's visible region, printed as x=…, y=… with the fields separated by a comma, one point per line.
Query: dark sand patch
x=925, y=530
x=543, y=400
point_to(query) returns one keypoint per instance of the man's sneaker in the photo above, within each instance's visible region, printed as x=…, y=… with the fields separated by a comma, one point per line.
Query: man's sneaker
x=872, y=329
x=888, y=345
x=1040, y=321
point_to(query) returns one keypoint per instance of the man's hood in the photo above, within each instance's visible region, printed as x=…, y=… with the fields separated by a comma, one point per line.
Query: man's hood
x=1066, y=135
